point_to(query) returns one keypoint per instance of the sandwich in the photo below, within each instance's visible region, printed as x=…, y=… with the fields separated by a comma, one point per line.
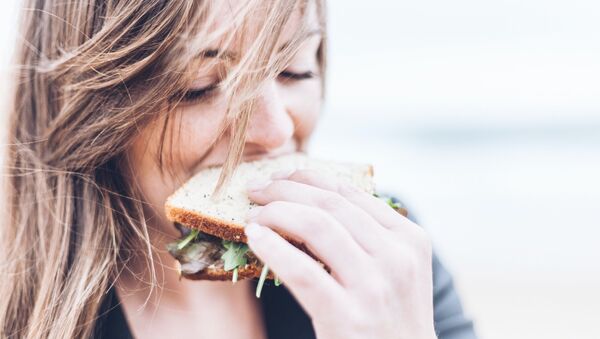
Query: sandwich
x=213, y=245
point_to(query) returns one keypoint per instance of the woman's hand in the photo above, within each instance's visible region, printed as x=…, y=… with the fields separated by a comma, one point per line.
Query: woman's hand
x=380, y=284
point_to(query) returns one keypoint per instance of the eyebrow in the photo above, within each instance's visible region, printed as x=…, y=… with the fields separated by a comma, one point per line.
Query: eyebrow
x=215, y=52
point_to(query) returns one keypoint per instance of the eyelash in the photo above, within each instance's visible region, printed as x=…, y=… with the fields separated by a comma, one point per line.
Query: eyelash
x=198, y=94
x=296, y=76
x=203, y=93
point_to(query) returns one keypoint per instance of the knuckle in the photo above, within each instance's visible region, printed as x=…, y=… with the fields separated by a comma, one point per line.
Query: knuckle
x=303, y=220
x=411, y=260
x=412, y=268
x=347, y=189
x=273, y=209
x=302, y=175
x=275, y=206
x=375, y=291
x=415, y=237
x=316, y=222
x=273, y=188
x=309, y=229
x=332, y=202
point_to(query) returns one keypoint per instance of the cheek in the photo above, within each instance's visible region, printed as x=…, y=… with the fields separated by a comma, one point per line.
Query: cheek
x=195, y=130
x=189, y=135
x=143, y=169
x=303, y=102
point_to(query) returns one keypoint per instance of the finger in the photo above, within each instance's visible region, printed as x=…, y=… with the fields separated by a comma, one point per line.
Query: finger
x=312, y=286
x=375, y=207
x=361, y=226
x=320, y=232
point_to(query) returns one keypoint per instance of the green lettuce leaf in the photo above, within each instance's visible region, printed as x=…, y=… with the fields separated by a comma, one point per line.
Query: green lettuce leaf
x=389, y=201
x=393, y=204
x=235, y=255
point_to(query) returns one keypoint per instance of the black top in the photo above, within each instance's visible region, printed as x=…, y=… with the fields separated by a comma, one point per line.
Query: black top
x=284, y=318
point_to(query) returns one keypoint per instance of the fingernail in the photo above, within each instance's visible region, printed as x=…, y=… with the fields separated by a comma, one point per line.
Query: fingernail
x=257, y=184
x=254, y=231
x=253, y=213
x=283, y=174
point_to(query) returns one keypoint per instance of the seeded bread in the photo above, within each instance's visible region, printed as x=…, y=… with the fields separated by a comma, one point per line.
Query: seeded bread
x=192, y=206
x=218, y=273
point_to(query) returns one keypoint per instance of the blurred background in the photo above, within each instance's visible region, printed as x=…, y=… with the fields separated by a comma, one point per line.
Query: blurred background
x=484, y=118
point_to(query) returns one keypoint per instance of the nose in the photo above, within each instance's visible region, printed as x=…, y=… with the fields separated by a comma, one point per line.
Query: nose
x=270, y=125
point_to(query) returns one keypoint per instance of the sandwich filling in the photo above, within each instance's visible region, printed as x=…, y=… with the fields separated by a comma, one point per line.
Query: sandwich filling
x=196, y=251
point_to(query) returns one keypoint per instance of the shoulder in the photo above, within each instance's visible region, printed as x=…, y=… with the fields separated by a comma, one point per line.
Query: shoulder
x=449, y=316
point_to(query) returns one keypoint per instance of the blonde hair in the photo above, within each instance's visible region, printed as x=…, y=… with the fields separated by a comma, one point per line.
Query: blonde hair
x=91, y=74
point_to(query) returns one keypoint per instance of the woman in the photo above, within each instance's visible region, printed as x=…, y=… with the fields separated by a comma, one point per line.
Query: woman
x=116, y=104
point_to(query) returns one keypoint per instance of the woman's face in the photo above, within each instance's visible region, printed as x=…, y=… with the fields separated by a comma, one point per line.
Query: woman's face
x=286, y=113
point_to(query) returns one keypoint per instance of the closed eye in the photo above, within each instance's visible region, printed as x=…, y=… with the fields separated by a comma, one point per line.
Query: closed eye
x=195, y=95
x=287, y=75
x=198, y=94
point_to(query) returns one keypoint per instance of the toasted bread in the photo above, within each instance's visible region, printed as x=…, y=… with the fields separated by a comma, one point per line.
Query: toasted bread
x=218, y=273
x=193, y=206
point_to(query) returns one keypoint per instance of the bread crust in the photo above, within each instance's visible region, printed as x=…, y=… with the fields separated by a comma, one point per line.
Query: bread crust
x=229, y=230
x=370, y=171
x=246, y=272
x=220, y=228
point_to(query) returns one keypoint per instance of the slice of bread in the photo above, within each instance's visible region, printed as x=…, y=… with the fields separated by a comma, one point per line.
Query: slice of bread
x=193, y=206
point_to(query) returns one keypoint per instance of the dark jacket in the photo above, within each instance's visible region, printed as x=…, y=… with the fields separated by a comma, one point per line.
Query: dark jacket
x=284, y=318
